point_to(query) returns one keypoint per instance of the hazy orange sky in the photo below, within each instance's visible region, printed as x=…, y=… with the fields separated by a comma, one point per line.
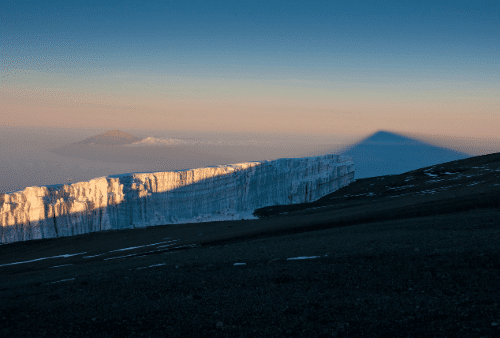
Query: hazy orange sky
x=291, y=67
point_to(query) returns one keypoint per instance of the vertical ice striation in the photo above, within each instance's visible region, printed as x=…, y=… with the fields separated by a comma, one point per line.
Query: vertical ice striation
x=144, y=199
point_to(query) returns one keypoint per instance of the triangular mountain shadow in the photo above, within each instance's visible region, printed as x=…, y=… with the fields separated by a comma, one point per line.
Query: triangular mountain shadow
x=387, y=153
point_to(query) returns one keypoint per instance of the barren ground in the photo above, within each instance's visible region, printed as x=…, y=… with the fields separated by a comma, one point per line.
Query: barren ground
x=392, y=259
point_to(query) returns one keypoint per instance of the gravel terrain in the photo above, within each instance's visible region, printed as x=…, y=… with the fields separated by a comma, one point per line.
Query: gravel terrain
x=413, y=255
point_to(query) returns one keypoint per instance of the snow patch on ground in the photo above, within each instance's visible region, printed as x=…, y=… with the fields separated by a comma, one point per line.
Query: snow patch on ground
x=43, y=258
x=302, y=257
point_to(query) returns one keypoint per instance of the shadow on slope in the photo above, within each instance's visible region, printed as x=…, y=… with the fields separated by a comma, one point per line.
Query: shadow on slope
x=451, y=187
x=388, y=153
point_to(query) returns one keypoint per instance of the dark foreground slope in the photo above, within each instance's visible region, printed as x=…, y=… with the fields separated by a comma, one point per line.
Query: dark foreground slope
x=414, y=255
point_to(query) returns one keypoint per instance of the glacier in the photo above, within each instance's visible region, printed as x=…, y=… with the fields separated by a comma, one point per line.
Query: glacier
x=137, y=200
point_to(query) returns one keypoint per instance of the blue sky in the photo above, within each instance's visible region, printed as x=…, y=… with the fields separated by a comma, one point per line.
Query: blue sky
x=411, y=66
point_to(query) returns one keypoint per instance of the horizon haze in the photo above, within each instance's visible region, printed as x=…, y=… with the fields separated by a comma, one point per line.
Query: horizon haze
x=292, y=67
x=41, y=156
x=207, y=83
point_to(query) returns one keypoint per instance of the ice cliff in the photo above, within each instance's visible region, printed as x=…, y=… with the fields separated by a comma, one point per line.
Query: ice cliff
x=138, y=200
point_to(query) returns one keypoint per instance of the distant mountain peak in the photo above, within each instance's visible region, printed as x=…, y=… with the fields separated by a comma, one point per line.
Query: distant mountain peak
x=111, y=137
x=115, y=133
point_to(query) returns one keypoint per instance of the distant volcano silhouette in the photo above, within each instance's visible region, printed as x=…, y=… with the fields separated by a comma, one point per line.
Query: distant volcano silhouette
x=386, y=153
x=111, y=138
x=109, y=147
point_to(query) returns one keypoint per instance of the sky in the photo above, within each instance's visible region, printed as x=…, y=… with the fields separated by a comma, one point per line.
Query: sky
x=316, y=67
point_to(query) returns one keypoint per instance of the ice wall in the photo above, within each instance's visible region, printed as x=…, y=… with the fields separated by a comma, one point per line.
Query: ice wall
x=144, y=199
